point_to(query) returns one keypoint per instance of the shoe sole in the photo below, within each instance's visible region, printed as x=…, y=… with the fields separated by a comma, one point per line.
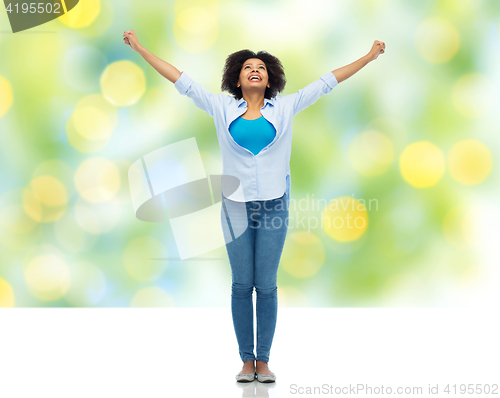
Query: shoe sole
x=266, y=380
x=245, y=379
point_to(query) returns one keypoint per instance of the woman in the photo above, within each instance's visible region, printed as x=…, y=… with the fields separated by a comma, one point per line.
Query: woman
x=254, y=128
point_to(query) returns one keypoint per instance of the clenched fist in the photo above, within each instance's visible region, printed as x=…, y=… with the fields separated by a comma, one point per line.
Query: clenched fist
x=130, y=38
x=377, y=49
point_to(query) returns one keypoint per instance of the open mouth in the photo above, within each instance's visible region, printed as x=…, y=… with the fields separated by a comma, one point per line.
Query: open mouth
x=255, y=79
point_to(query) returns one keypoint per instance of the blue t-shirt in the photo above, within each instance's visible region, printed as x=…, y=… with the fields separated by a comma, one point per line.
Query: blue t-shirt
x=253, y=135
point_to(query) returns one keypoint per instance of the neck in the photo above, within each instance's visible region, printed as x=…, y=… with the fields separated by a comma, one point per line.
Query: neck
x=255, y=100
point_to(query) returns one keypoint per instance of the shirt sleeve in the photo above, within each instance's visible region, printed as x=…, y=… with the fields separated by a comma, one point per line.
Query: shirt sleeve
x=202, y=98
x=307, y=96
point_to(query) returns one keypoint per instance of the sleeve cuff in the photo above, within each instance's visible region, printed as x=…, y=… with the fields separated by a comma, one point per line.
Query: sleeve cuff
x=330, y=79
x=183, y=83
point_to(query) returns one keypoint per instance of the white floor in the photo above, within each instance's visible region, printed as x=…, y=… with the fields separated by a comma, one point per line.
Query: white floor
x=193, y=352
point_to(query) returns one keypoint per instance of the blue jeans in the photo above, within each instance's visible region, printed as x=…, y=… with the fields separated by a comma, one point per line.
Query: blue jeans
x=254, y=257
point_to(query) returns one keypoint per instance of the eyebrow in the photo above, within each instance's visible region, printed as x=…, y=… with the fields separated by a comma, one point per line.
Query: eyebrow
x=251, y=64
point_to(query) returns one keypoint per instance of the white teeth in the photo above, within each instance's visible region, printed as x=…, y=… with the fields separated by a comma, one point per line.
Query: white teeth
x=254, y=78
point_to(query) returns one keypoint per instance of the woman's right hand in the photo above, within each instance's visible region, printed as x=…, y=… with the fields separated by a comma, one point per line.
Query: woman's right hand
x=377, y=49
x=130, y=38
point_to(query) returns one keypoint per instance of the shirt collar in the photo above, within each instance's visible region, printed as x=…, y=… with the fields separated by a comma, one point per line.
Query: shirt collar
x=266, y=100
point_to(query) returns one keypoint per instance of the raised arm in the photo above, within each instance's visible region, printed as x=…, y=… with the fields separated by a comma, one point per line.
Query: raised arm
x=168, y=71
x=184, y=84
x=347, y=71
x=307, y=96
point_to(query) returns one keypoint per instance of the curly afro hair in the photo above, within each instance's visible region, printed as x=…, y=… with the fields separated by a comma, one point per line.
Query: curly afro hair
x=232, y=69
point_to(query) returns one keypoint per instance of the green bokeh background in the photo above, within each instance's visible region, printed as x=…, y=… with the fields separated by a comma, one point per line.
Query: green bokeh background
x=414, y=251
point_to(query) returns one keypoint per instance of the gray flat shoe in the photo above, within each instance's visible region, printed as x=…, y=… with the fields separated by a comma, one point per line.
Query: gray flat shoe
x=245, y=378
x=266, y=378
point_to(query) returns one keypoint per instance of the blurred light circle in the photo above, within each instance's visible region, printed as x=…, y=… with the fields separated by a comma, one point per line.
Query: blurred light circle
x=437, y=40
x=39, y=211
x=123, y=83
x=82, y=144
x=31, y=205
x=142, y=259
x=82, y=15
x=91, y=124
x=97, y=218
x=7, y=298
x=470, y=162
x=371, y=153
x=81, y=67
x=6, y=96
x=46, y=198
x=49, y=190
x=422, y=164
x=97, y=179
x=58, y=169
x=151, y=297
x=88, y=285
x=458, y=227
x=345, y=219
x=195, y=29
x=47, y=277
x=303, y=255
x=474, y=95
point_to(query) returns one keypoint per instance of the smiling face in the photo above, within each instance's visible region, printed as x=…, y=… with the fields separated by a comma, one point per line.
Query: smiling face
x=253, y=75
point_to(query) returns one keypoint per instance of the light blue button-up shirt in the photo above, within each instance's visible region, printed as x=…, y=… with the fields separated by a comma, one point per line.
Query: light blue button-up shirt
x=266, y=175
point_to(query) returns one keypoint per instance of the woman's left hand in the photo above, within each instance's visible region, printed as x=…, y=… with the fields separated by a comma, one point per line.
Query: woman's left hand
x=377, y=49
